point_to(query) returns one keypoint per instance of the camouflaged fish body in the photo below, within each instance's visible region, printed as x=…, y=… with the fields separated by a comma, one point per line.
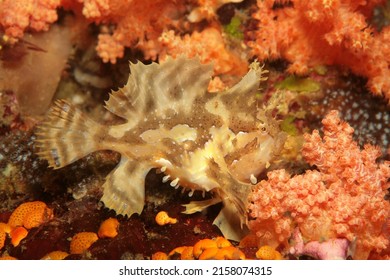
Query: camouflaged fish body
x=213, y=142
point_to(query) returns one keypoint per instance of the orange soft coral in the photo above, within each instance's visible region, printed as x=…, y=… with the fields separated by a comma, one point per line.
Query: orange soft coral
x=129, y=23
x=209, y=46
x=18, y=16
x=311, y=33
x=344, y=198
x=206, y=9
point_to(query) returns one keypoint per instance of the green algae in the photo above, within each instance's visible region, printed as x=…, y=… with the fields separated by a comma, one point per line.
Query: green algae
x=298, y=84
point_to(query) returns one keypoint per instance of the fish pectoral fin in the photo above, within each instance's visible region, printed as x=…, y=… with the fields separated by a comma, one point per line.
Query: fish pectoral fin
x=198, y=206
x=124, y=189
x=230, y=224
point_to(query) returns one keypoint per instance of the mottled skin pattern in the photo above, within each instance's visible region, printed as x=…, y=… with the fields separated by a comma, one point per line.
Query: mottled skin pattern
x=218, y=142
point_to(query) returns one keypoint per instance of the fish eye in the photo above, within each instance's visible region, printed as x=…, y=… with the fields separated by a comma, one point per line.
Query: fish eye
x=263, y=129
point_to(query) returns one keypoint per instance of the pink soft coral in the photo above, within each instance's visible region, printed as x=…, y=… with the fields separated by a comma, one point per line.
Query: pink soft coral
x=344, y=198
x=17, y=16
x=331, y=32
x=332, y=249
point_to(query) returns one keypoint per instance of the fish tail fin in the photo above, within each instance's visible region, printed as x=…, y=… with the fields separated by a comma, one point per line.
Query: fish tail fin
x=66, y=135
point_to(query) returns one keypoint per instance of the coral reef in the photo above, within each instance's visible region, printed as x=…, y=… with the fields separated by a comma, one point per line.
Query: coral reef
x=221, y=151
x=321, y=195
x=312, y=33
x=344, y=198
x=138, y=237
x=367, y=114
x=157, y=28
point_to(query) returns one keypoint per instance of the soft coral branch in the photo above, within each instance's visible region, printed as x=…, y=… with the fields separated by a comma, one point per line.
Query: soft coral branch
x=330, y=32
x=17, y=16
x=344, y=198
x=208, y=45
x=136, y=24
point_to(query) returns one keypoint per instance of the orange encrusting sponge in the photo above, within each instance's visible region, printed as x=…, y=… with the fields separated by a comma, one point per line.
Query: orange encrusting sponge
x=55, y=255
x=17, y=235
x=217, y=248
x=30, y=215
x=82, y=241
x=108, y=228
x=268, y=253
x=26, y=216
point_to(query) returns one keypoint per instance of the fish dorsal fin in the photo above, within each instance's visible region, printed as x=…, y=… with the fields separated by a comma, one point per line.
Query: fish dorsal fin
x=249, y=83
x=172, y=85
x=239, y=104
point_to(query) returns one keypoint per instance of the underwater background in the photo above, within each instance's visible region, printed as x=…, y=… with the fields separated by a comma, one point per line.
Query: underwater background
x=325, y=82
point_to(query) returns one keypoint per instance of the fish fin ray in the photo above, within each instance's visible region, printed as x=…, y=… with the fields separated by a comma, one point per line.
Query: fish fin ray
x=124, y=189
x=198, y=206
x=66, y=135
x=172, y=84
x=230, y=224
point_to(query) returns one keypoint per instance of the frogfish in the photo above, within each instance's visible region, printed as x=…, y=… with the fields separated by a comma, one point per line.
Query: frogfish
x=210, y=142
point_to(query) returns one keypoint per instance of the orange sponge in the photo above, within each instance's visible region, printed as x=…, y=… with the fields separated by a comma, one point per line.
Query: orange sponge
x=17, y=235
x=82, y=241
x=30, y=215
x=55, y=255
x=109, y=228
x=2, y=239
x=268, y=253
